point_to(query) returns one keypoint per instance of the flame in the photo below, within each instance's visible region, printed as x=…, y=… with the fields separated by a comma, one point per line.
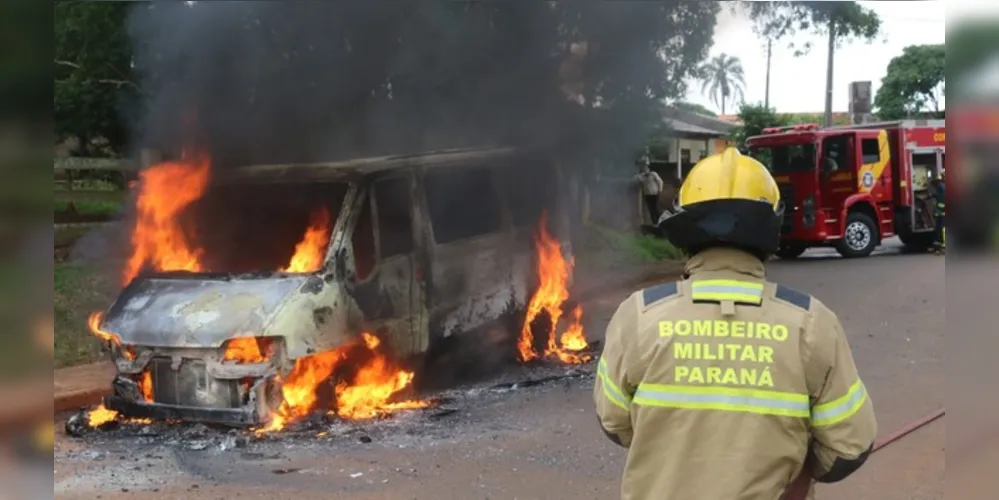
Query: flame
x=100, y=416
x=146, y=386
x=555, y=274
x=368, y=394
x=158, y=238
x=94, y=322
x=247, y=350
x=373, y=386
x=161, y=243
x=309, y=252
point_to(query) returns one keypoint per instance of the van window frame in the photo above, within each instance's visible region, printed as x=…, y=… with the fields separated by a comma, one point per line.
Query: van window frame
x=548, y=173
x=407, y=177
x=363, y=193
x=499, y=203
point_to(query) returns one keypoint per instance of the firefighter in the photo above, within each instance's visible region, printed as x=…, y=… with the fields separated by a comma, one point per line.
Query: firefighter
x=724, y=385
x=939, y=212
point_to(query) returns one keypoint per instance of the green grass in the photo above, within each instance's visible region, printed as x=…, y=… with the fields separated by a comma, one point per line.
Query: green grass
x=616, y=248
x=88, y=185
x=78, y=290
x=88, y=207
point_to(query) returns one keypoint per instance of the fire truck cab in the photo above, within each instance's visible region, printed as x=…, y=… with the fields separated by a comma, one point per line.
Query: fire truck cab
x=852, y=187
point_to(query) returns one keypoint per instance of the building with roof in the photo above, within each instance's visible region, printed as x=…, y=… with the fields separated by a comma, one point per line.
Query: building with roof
x=690, y=137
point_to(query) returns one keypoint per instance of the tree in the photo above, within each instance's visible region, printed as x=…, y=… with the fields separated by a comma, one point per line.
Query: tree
x=782, y=20
x=913, y=84
x=93, y=75
x=755, y=118
x=723, y=80
x=694, y=108
x=839, y=21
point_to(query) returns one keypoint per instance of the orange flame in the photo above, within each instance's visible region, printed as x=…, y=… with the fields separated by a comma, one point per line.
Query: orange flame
x=247, y=350
x=100, y=416
x=94, y=322
x=146, y=386
x=375, y=383
x=160, y=242
x=158, y=239
x=555, y=274
x=310, y=251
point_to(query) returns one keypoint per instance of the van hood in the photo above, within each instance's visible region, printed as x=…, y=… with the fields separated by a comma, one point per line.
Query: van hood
x=198, y=312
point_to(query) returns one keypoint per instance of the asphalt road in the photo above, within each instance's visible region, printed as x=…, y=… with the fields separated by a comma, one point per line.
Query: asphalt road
x=543, y=442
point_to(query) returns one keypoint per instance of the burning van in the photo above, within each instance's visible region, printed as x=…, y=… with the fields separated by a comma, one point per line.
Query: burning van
x=245, y=287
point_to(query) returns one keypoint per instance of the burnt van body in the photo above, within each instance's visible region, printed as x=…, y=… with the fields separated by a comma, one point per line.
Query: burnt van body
x=422, y=248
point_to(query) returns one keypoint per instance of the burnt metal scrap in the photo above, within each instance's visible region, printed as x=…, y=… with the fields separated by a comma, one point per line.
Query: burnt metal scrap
x=447, y=409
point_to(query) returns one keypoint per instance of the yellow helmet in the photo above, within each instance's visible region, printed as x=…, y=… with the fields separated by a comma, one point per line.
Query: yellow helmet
x=727, y=199
x=729, y=175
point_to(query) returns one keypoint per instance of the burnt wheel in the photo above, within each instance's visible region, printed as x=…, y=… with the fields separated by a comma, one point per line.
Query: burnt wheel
x=860, y=237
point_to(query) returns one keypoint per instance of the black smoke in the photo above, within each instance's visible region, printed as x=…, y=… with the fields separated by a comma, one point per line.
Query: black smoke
x=273, y=81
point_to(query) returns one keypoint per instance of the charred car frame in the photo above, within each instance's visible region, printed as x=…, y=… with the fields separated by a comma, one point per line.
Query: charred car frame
x=423, y=247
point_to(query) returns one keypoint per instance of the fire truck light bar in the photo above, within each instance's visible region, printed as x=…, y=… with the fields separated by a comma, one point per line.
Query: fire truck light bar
x=791, y=128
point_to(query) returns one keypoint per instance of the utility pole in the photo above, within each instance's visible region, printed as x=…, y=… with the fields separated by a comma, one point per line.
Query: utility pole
x=827, y=120
x=766, y=98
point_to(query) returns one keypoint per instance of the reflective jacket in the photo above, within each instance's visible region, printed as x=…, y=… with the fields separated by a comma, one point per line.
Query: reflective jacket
x=722, y=384
x=940, y=197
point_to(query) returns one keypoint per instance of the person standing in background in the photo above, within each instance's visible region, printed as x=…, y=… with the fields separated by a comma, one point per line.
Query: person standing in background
x=938, y=191
x=652, y=187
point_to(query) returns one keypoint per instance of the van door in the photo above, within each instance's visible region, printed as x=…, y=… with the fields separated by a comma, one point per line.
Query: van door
x=471, y=277
x=386, y=285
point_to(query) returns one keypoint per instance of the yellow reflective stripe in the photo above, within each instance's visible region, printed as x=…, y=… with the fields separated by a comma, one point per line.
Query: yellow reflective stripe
x=756, y=401
x=720, y=290
x=841, y=408
x=613, y=393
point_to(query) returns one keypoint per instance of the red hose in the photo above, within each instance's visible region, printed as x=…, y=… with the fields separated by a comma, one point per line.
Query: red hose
x=798, y=490
x=907, y=429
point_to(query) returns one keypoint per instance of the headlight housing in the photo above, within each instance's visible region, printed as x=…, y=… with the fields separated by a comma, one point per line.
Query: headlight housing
x=249, y=350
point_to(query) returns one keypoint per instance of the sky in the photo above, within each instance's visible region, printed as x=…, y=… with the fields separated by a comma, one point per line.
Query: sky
x=797, y=84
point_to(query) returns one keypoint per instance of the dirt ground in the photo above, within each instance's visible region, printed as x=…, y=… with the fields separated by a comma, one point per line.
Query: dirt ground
x=543, y=442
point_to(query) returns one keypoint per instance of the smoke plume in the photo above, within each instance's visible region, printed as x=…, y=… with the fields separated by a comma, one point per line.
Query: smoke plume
x=265, y=82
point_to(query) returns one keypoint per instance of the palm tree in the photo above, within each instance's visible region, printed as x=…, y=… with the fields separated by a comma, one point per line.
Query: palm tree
x=723, y=80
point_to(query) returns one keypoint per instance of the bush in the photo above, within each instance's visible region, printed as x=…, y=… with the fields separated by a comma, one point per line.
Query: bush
x=628, y=248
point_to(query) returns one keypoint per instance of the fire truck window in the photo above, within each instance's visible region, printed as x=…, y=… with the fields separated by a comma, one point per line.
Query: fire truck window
x=363, y=243
x=837, y=154
x=870, y=151
x=395, y=222
x=463, y=203
x=786, y=159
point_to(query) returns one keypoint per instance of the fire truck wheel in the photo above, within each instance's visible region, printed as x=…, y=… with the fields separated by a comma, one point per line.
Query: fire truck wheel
x=860, y=237
x=791, y=251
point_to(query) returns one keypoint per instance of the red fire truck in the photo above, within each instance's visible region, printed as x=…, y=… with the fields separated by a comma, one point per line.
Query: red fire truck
x=852, y=187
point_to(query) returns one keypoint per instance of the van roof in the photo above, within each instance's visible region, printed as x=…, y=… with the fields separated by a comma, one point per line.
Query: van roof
x=361, y=166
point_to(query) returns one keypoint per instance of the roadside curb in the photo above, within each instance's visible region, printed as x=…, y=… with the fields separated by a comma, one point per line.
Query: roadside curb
x=86, y=385
x=80, y=386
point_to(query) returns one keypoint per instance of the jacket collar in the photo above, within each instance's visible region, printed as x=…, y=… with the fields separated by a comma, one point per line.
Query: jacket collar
x=715, y=260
